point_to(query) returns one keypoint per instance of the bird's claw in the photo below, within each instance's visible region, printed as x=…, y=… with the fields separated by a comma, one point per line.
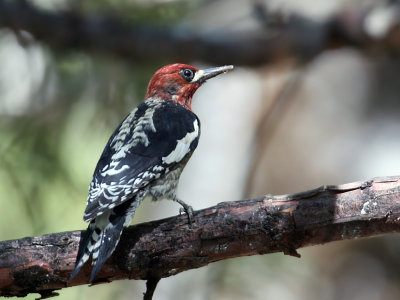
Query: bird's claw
x=186, y=209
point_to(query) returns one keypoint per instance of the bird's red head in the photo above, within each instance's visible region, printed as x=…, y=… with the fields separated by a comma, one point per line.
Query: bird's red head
x=179, y=82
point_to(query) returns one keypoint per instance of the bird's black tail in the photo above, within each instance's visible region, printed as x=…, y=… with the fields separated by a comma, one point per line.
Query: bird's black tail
x=109, y=239
x=84, y=249
x=99, y=241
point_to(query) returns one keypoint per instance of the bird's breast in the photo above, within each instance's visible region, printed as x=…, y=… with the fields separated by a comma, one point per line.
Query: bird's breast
x=165, y=187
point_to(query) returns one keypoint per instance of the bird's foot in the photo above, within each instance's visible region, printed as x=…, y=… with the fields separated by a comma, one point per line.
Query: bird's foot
x=187, y=209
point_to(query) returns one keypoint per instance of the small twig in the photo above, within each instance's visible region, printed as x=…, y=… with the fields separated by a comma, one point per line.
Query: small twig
x=151, y=285
x=269, y=121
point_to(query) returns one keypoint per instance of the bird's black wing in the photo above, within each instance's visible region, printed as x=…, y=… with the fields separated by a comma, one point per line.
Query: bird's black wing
x=151, y=140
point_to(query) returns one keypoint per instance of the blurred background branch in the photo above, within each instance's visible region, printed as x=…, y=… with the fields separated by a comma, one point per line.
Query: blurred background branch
x=280, y=36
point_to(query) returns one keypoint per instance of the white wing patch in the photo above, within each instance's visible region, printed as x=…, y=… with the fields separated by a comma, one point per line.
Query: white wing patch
x=183, y=146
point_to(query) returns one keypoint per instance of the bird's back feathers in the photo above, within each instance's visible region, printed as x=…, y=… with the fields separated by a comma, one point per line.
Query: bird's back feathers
x=131, y=160
x=151, y=142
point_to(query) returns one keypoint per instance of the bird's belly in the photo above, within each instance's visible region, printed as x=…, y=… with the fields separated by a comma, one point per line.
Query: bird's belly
x=165, y=187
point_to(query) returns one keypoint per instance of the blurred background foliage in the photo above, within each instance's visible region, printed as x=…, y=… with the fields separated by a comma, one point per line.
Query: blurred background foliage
x=339, y=123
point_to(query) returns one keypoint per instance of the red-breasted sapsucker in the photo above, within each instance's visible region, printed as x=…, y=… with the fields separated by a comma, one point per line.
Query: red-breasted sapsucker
x=143, y=158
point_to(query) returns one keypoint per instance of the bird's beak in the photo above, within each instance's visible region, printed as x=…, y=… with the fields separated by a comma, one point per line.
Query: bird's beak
x=202, y=75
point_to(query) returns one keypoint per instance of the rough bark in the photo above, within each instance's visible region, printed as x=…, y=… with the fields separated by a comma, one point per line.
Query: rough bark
x=231, y=229
x=289, y=36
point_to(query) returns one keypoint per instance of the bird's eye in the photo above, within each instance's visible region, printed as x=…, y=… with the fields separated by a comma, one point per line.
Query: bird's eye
x=187, y=74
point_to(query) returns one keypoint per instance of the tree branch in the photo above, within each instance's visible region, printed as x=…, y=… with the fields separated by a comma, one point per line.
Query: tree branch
x=231, y=229
x=296, y=36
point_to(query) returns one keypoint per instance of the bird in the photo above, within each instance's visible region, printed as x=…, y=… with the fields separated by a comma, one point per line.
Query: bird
x=143, y=158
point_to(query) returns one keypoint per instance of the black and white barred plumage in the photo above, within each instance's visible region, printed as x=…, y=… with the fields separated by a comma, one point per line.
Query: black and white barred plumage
x=144, y=157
